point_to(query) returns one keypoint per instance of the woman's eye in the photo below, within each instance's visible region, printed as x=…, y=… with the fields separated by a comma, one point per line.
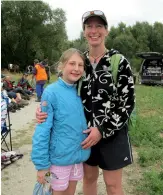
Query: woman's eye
x=99, y=26
x=89, y=26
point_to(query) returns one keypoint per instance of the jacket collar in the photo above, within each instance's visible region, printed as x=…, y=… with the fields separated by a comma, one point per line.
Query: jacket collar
x=64, y=83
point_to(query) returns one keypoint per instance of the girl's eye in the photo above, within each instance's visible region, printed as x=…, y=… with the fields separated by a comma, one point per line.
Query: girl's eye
x=72, y=63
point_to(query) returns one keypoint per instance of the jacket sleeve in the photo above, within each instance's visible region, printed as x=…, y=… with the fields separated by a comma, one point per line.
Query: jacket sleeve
x=122, y=104
x=41, y=137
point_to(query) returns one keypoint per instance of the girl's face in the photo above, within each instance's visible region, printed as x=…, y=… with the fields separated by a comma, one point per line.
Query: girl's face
x=73, y=69
x=95, y=31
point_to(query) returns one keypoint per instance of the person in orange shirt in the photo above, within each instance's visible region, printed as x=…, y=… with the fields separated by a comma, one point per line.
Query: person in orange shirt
x=41, y=77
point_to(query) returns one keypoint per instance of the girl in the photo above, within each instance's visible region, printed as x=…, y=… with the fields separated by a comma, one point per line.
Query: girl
x=57, y=141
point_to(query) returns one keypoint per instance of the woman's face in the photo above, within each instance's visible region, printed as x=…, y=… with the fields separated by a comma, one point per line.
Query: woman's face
x=95, y=31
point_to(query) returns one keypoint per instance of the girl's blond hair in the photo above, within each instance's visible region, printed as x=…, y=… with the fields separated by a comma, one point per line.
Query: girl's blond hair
x=65, y=57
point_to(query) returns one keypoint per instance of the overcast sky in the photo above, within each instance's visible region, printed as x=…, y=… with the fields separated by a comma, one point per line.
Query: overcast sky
x=116, y=11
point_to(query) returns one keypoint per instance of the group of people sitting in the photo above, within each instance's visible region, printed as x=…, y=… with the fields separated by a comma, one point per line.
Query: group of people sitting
x=16, y=95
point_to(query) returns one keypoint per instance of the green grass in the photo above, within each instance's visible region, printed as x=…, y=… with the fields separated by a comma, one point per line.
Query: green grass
x=153, y=184
x=147, y=137
x=150, y=157
x=52, y=79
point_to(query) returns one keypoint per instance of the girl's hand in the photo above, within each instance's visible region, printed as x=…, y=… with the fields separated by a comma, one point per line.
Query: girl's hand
x=41, y=176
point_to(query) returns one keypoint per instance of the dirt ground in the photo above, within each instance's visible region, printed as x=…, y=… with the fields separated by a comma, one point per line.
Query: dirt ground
x=19, y=178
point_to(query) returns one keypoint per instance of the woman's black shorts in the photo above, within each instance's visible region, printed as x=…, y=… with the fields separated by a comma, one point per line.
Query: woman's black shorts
x=112, y=153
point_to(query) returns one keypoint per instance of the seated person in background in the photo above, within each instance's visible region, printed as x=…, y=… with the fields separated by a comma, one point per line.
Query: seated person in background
x=3, y=112
x=9, y=87
x=13, y=99
x=2, y=77
x=24, y=84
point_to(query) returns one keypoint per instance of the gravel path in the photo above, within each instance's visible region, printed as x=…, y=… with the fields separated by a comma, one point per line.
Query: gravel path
x=19, y=178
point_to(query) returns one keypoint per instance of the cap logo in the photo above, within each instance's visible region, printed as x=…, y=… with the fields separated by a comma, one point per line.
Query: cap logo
x=92, y=12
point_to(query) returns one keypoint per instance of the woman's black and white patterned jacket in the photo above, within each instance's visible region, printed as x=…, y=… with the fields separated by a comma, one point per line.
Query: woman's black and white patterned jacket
x=108, y=105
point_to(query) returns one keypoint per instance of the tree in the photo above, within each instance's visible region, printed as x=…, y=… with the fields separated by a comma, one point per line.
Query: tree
x=80, y=43
x=140, y=33
x=126, y=44
x=31, y=30
x=156, y=37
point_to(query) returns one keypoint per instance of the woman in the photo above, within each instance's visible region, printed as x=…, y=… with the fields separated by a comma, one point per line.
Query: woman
x=107, y=109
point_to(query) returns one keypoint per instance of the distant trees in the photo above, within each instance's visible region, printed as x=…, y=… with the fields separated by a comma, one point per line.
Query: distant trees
x=129, y=40
x=31, y=29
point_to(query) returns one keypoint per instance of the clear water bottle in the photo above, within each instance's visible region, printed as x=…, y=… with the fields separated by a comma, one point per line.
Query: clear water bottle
x=47, y=186
x=44, y=189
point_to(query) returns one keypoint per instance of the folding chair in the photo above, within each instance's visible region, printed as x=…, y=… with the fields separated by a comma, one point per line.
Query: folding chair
x=5, y=133
x=7, y=155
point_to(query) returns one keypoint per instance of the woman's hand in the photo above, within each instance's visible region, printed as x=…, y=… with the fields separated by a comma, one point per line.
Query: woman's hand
x=40, y=116
x=41, y=176
x=93, y=138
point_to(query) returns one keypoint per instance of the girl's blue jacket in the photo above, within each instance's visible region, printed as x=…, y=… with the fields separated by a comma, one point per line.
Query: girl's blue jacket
x=57, y=141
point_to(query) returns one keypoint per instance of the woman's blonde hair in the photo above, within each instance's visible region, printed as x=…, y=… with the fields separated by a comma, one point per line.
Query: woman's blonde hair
x=65, y=57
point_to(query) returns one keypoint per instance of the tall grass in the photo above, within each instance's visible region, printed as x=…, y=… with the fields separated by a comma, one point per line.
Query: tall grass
x=148, y=137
